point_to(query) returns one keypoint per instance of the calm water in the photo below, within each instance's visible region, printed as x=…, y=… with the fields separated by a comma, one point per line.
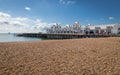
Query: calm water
x=14, y=38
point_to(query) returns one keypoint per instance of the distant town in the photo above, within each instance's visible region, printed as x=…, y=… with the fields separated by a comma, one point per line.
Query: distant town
x=106, y=29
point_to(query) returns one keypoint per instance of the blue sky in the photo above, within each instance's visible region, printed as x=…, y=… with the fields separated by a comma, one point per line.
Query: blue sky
x=62, y=11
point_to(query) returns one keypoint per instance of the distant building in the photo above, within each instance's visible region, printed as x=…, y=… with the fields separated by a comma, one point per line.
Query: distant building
x=116, y=29
x=107, y=29
x=76, y=28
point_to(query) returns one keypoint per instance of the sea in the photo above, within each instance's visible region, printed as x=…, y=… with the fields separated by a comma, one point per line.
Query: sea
x=5, y=37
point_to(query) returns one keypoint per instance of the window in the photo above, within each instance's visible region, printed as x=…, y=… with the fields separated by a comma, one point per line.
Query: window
x=118, y=28
x=118, y=32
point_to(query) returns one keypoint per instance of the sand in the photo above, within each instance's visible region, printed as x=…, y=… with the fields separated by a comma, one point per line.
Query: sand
x=88, y=56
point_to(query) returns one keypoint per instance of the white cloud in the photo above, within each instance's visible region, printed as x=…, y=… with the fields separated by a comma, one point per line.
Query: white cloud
x=4, y=15
x=62, y=1
x=42, y=25
x=67, y=2
x=70, y=2
x=111, y=18
x=21, y=19
x=27, y=8
x=21, y=24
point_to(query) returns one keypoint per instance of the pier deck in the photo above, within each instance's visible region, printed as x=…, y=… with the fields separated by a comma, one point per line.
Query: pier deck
x=61, y=35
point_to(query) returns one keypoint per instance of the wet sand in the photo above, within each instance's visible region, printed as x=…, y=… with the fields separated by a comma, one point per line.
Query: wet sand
x=88, y=56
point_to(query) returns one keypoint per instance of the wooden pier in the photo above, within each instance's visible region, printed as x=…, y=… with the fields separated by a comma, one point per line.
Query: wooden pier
x=61, y=35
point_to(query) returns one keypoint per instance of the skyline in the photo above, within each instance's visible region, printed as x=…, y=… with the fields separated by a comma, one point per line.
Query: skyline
x=37, y=15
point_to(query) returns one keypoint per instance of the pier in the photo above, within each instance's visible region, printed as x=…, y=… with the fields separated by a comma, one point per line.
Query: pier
x=77, y=31
x=61, y=35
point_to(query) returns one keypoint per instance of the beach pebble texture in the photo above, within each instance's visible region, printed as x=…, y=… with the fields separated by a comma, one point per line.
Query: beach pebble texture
x=88, y=56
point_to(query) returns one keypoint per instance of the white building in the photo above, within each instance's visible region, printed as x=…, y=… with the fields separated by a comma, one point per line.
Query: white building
x=106, y=29
x=116, y=29
x=55, y=29
x=75, y=28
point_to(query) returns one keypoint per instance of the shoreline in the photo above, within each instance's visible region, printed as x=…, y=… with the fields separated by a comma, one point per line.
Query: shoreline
x=40, y=40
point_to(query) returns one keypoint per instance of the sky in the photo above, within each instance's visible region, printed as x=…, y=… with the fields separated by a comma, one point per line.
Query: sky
x=20, y=16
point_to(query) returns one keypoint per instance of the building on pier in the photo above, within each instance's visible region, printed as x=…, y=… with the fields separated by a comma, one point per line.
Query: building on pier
x=57, y=28
x=116, y=29
x=76, y=28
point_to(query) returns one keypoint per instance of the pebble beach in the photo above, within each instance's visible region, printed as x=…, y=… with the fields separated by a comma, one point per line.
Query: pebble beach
x=88, y=56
